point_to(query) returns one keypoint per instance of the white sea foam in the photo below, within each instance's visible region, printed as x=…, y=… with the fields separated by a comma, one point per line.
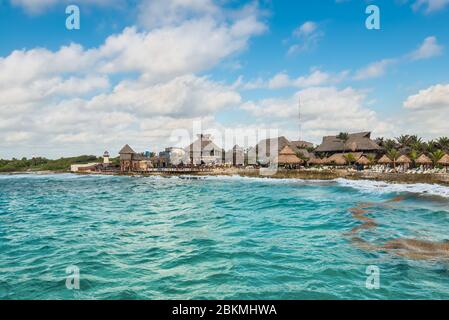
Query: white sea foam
x=370, y=186
x=258, y=179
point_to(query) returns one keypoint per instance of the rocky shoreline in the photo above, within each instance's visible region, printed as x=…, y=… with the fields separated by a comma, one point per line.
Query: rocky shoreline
x=442, y=179
x=431, y=178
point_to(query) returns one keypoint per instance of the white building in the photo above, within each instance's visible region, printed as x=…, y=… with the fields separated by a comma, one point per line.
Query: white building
x=204, y=151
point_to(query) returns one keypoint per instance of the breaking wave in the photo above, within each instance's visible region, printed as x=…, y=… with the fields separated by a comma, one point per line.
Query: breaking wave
x=382, y=187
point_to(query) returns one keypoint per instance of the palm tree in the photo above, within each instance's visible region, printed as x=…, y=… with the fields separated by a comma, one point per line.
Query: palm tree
x=443, y=143
x=350, y=158
x=403, y=140
x=390, y=144
x=413, y=155
x=418, y=146
x=343, y=136
x=436, y=156
x=431, y=146
x=393, y=154
x=414, y=139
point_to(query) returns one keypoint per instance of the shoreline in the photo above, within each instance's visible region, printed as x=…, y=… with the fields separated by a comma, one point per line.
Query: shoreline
x=325, y=175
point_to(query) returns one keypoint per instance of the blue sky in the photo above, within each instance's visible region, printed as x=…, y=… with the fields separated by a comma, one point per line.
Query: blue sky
x=139, y=71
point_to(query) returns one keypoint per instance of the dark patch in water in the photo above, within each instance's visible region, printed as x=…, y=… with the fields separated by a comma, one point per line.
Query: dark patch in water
x=409, y=248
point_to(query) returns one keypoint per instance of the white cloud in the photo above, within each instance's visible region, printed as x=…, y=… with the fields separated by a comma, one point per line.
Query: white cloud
x=186, y=96
x=434, y=97
x=374, y=70
x=306, y=29
x=39, y=6
x=308, y=34
x=428, y=49
x=315, y=78
x=430, y=6
x=324, y=110
x=426, y=112
x=67, y=100
x=160, y=13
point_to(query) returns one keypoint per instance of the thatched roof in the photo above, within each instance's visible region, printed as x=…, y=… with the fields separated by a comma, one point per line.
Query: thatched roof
x=423, y=159
x=337, y=159
x=356, y=142
x=444, y=161
x=364, y=161
x=315, y=161
x=288, y=156
x=403, y=159
x=263, y=148
x=301, y=144
x=384, y=160
x=127, y=150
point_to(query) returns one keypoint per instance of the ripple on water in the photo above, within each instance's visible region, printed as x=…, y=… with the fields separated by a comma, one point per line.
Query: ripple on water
x=218, y=238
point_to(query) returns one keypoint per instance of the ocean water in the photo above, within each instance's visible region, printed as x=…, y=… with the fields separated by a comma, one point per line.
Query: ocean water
x=217, y=238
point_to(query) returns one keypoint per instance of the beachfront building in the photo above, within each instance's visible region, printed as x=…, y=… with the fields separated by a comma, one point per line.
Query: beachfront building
x=172, y=157
x=288, y=159
x=106, y=159
x=204, y=151
x=130, y=160
x=235, y=157
x=355, y=143
x=268, y=149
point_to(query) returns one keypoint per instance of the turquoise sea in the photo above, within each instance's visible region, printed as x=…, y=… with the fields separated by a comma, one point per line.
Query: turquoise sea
x=217, y=238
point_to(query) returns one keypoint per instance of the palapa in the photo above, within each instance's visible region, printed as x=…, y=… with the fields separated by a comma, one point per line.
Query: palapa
x=364, y=161
x=337, y=159
x=288, y=156
x=444, y=160
x=403, y=160
x=384, y=160
x=424, y=160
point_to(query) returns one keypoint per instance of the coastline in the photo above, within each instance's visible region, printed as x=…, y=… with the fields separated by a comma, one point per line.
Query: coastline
x=401, y=178
x=441, y=179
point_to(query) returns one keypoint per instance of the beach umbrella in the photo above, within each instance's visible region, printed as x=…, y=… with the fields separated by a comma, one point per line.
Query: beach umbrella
x=364, y=161
x=404, y=160
x=337, y=159
x=424, y=160
x=385, y=160
x=315, y=161
x=288, y=157
x=444, y=161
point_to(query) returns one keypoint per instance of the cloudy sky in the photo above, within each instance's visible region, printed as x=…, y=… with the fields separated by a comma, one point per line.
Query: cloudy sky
x=139, y=70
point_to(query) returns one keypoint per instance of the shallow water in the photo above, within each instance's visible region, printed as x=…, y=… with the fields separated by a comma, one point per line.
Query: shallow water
x=219, y=238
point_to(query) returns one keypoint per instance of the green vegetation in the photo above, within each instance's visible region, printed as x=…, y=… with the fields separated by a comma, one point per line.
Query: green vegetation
x=350, y=158
x=43, y=164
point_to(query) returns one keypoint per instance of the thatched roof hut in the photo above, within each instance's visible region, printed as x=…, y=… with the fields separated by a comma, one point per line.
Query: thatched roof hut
x=364, y=161
x=337, y=159
x=424, y=160
x=287, y=157
x=315, y=161
x=403, y=160
x=357, y=142
x=384, y=160
x=127, y=150
x=444, y=160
